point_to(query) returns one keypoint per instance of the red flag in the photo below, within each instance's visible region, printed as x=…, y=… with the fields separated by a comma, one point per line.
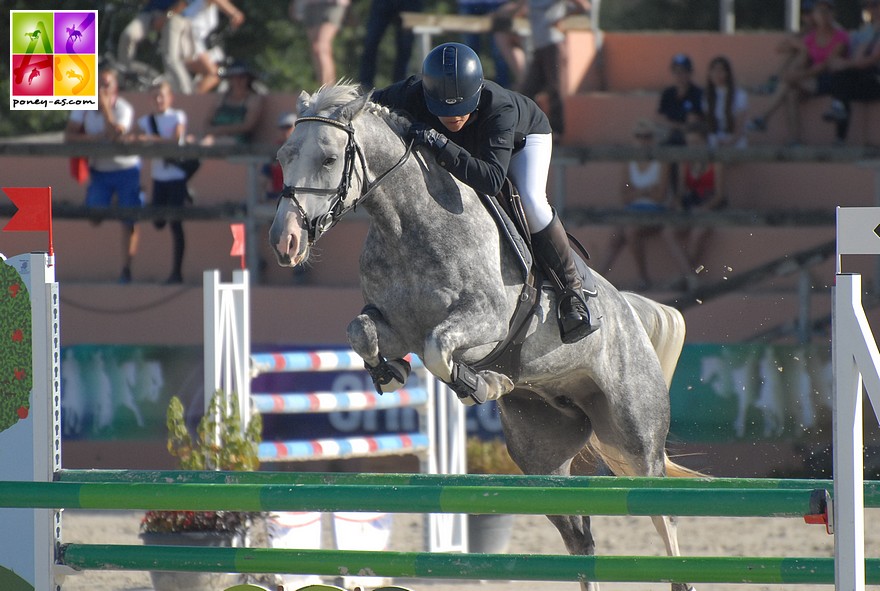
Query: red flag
x=34, y=209
x=238, y=242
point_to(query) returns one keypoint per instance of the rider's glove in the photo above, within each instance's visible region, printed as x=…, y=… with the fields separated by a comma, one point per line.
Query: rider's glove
x=421, y=134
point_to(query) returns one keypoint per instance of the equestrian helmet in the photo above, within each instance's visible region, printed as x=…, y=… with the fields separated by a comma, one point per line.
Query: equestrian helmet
x=452, y=79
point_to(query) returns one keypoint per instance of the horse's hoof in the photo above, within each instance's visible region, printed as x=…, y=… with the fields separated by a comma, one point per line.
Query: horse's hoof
x=498, y=384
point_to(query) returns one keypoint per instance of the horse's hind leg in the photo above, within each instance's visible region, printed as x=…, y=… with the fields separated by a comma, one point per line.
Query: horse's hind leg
x=543, y=438
x=369, y=335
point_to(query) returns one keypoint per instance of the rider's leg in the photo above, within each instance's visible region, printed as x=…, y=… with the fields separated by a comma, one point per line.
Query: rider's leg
x=529, y=170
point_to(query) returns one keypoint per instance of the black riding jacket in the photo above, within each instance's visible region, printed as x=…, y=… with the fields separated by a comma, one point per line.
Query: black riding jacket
x=479, y=154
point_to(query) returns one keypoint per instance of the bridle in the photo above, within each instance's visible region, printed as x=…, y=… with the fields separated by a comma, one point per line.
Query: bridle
x=320, y=224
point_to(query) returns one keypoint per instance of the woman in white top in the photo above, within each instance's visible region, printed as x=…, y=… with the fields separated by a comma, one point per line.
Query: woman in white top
x=644, y=188
x=725, y=106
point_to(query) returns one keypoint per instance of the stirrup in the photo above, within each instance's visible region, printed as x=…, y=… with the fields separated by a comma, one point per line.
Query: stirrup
x=385, y=373
x=573, y=331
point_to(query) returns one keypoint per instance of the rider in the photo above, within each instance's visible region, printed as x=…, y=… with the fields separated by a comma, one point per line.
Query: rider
x=481, y=133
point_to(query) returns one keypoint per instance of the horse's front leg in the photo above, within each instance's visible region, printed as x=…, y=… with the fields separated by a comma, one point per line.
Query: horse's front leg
x=365, y=334
x=471, y=387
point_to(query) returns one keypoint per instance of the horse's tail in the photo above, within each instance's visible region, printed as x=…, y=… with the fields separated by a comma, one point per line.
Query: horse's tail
x=674, y=470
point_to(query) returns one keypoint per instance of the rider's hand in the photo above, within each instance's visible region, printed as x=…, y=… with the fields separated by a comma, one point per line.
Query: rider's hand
x=421, y=134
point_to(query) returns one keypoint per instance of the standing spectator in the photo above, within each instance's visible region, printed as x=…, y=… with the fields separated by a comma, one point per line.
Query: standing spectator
x=167, y=125
x=109, y=175
x=549, y=59
x=700, y=189
x=725, y=105
x=827, y=41
x=382, y=14
x=237, y=113
x=856, y=78
x=681, y=102
x=501, y=42
x=322, y=19
x=643, y=188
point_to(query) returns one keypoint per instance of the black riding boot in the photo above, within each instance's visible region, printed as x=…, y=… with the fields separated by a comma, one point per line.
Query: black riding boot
x=554, y=254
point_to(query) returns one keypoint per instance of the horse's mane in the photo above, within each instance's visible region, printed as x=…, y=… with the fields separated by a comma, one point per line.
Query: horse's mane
x=330, y=98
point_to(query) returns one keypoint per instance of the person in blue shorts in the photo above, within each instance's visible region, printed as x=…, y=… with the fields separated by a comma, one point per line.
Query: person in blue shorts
x=110, y=175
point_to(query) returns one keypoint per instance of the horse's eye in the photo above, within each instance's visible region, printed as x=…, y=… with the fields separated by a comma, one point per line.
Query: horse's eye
x=329, y=161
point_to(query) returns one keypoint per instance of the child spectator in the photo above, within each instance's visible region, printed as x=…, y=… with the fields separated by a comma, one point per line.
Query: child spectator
x=725, y=105
x=700, y=189
x=643, y=188
x=856, y=78
x=828, y=40
x=680, y=102
x=109, y=175
x=167, y=125
x=322, y=19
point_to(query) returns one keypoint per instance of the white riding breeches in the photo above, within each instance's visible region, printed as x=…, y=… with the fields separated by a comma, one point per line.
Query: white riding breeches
x=529, y=169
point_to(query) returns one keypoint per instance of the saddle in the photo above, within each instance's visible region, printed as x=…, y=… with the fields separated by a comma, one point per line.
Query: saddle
x=506, y=208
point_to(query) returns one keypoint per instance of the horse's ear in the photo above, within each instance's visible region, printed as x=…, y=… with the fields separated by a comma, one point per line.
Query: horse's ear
x=350, y=111
x=303, y=101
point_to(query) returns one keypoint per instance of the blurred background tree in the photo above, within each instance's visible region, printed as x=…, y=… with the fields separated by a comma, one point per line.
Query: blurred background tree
x=278, y=48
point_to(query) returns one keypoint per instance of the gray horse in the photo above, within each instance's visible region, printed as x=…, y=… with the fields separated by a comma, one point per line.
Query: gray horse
x=440, y=282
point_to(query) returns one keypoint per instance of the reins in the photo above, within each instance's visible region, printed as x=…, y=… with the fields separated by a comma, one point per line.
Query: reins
x=320, y=224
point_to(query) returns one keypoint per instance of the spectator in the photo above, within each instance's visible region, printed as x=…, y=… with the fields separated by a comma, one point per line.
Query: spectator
x=792, y=50
x=502, y=40
x=643, y=188
x=190, y=64
x=855, y=78
x=322, y=19
x=700, y=189
x=826, y=41
x=725, y=105
x=238, y=111
x=273, y=177
x=681, y=102
x=382, y=14
x=167, y=125
x=151, y=17
x=548, y=60
x=109, y=175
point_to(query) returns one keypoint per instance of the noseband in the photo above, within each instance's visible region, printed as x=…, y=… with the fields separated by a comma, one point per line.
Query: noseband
x=317, y=226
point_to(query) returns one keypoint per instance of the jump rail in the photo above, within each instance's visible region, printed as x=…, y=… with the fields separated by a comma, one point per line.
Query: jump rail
x=527, y=567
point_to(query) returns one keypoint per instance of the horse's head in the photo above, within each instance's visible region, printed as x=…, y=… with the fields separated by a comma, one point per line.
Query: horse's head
x=321, y=179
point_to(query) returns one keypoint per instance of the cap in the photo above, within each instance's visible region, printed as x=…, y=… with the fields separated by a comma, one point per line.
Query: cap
x=287, y=120
x=682, y=61
x=238, y=68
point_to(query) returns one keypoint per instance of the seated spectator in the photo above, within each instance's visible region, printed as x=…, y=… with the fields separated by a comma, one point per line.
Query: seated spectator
x=150, y=18
x=238, y=110
x=681, y=102
x=700, y=189
x=190, y=64
x=792, y=50
x=643, y=188
x=322, y=19
x=273, y=176
x=826, y=41
x=382, y=14
x=167, y=125
x=725, y=105
x=856, y=78
x=109, y=175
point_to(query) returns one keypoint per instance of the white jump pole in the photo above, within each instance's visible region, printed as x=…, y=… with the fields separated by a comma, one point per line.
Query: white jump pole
x=30, y=449
x=855, y=358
